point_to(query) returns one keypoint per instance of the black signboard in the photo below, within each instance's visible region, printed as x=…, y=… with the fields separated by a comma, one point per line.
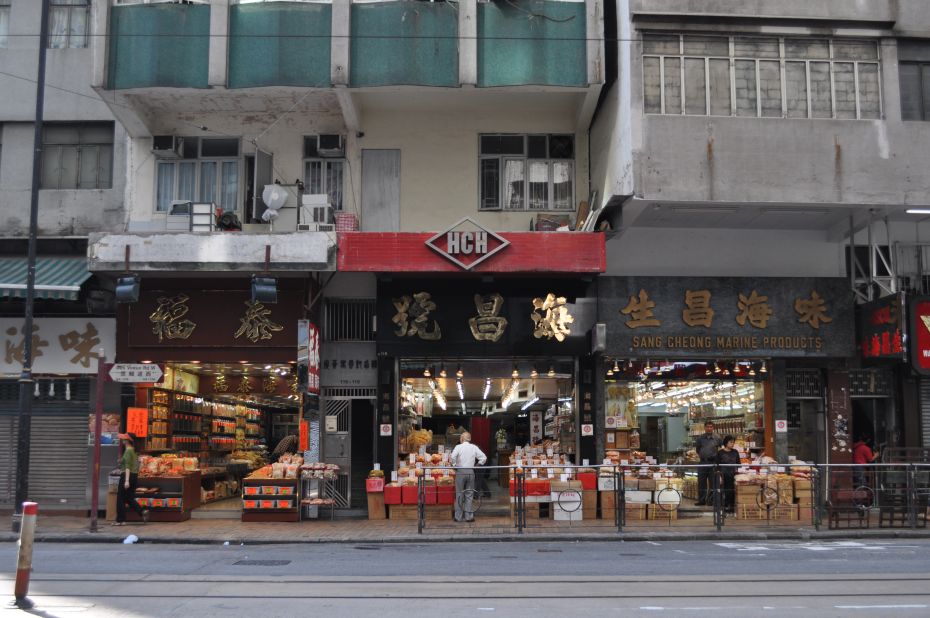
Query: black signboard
x=500, y=317
x=672, y=317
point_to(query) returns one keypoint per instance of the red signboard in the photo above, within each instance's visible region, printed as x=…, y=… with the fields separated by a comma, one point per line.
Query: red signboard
x=526, y=252
x=920, y=328
x=313, y=360
x=137, y=422
x=304, y=436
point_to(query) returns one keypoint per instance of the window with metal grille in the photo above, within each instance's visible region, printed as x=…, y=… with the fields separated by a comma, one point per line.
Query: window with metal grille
x=804, y=383
x=761, y=77
x=869, y=383
x=349, y=319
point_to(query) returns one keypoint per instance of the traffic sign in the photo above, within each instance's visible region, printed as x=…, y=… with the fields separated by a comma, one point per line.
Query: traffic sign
x=135, y=372
x=781, y=426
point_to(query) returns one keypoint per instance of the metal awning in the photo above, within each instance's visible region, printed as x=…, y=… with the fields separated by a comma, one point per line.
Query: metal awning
x=56, y=278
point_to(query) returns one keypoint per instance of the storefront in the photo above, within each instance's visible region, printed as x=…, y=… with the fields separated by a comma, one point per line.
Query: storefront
x=237, y=375
x=65, y=352
x=764, y=359
x=480, y=332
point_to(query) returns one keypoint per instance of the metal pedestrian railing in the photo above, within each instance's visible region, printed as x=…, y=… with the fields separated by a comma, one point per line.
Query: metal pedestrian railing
x=615, y=498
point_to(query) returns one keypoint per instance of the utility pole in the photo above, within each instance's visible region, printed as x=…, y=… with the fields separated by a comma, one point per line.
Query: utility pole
x=25, y=379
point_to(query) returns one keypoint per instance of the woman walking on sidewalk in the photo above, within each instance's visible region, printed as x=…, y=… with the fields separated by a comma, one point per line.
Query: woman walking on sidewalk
x=128, y=480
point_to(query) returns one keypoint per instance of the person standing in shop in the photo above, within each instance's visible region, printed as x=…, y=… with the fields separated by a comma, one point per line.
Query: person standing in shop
x=706, y=446
x=728, y=459
x=128, y=480
x=464, y=457
x=862, y=456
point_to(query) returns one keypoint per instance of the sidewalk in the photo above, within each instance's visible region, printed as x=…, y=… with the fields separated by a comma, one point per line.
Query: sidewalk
x=52, y=529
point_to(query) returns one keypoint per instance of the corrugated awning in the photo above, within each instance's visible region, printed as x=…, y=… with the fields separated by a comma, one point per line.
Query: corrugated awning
x=56, y=278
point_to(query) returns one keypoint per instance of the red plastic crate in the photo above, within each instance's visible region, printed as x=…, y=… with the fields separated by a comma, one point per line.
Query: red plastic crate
x=431, y=494
x=392, y=494
x=409, y=494
x=374, y=485
x=445, y=494
x=588, y=480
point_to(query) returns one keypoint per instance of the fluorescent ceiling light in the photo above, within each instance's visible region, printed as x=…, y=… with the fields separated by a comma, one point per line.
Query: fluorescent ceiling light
x=705, y=210
x=795, y=211
x=918, y=211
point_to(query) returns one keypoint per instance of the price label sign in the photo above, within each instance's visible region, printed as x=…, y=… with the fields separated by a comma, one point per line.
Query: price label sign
x=781, y=426
x=137, y=422
x=385, y=429
x=587, y=429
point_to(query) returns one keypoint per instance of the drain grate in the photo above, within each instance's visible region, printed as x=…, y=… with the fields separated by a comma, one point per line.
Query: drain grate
x=262, y=563
x=549, y=551
x=504, y=557
x=367, y=547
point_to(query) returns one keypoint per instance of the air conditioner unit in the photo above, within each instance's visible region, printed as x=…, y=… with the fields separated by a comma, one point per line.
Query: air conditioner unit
x=316, y=227
x=168, y=146
x=315, y=208
x=330, y=146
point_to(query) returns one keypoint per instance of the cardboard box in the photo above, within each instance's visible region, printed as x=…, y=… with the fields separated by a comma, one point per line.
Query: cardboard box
x=647, y=484
x=405, y=512
x=376, y=506
x=606, y=483
x=637, y=496
x=621, y=438
x=589, y=504
x=630, y=482
x=637, y=512
x=663, y=511
x=608, y=499
x=608, y=514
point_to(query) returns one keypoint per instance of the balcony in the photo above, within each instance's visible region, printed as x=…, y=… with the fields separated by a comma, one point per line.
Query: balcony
x=159, y=45
x=404, y=43
x=214, y=252
x=532, y=42
x=279, y=44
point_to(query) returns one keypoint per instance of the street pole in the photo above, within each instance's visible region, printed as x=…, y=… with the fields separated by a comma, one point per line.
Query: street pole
x=98, y=426
x=25, y=380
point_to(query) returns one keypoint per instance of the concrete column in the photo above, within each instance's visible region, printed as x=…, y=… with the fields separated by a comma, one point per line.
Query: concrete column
x=99, y=29
x=340, y=48
x=219, y=42
x=594, y=31
x=891, y=92
x=780, y=407
x=468, y=42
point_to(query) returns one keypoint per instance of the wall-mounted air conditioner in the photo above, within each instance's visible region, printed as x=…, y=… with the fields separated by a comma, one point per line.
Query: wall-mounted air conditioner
x=316, y=227
x=315, y=208
x=330, y=146
x=168, y=146
x=179, y=217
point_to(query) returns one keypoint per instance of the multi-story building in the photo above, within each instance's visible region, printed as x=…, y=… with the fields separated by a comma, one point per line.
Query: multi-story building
x=81, y=190
x=384, y=123
x=759, y=164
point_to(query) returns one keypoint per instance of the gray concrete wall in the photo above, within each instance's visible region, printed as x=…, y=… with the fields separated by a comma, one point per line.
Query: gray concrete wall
x=68, y=98
x=680, y=252
x=786, y=161
x=854, y=10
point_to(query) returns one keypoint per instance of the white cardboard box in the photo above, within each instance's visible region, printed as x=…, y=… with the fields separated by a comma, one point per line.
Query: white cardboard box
x=606, y=483
x=636, y=496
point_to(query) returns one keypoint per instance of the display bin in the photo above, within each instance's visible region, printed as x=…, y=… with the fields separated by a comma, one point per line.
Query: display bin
x=445, y=494
x=533, y=487
x=392, y=494
x=374, y=485
x=432, y=494
x=588, y=480
x=277, y=500
x=408, y=494
x=376, y=508
x=185, y=489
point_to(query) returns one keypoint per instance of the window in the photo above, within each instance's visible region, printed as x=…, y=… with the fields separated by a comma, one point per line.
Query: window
x=526, y=172
x=208, y=171
x=760, y=77
x=77, y=155
x=68, y=22
x=915, y=90
x=324, y=165
x=4, y=23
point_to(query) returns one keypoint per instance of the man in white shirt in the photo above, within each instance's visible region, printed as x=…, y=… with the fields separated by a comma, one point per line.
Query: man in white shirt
x=464, y=457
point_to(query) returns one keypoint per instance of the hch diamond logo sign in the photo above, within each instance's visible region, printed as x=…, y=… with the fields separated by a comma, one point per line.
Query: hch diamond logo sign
x=467, y=243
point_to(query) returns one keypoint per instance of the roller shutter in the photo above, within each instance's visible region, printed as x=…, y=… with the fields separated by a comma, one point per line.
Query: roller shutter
x=925, y=411
x=8, y=428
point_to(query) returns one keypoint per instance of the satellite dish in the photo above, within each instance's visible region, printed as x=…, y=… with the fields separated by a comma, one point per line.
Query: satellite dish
x=274, y=196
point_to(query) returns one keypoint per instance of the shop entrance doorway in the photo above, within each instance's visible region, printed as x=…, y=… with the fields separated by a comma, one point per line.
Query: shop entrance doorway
x=348, y=440
x=806, y=430
x=873, y=416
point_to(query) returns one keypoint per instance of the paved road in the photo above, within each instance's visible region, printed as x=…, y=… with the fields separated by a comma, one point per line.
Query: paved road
x=480, y=579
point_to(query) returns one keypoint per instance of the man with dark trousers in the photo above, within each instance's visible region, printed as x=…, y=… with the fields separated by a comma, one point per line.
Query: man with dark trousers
x=706, y=446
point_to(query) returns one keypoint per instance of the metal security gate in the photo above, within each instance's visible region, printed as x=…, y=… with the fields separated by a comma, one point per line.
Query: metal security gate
x=8, y=429
x=337, y=404
x=337, y=446
x=925, y=412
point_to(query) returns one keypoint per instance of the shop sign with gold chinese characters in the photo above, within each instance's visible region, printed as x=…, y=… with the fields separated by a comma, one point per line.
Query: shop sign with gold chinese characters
x=59, y=345
x=667, y=316
x=182, y=324
x=482, y=315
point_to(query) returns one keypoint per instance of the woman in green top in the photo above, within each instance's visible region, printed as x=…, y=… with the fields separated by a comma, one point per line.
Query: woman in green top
x=128, y=480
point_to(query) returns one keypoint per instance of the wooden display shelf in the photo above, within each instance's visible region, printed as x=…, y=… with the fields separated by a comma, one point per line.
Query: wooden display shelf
x=289, y=514
x=187, y=487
